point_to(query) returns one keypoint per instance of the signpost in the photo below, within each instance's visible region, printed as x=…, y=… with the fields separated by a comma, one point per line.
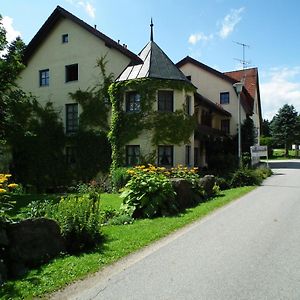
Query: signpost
x=257, y=152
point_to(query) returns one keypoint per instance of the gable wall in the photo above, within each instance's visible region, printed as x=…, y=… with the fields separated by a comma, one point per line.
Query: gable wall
x=83, y=48
x=210, y=86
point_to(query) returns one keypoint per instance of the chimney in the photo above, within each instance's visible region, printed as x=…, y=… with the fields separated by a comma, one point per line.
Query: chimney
x=95, y=26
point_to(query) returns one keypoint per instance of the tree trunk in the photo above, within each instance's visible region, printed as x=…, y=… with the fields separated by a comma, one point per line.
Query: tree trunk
x=286, y=150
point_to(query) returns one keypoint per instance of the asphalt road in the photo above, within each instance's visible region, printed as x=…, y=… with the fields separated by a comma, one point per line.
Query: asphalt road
x=249, y=249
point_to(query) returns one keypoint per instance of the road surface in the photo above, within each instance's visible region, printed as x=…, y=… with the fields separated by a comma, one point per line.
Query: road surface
x=249, y=249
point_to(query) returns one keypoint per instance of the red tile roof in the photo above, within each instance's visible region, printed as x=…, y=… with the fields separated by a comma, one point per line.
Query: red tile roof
x=250, y=76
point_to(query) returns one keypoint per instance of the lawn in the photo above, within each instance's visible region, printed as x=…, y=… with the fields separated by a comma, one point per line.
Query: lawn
x=279, y=154
x=119, y=240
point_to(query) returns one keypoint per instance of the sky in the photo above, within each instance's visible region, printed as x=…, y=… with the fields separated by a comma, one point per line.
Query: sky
x=207, y=30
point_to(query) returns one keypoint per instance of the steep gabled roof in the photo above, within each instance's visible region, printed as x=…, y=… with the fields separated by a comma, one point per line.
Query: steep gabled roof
x=60, y=13
x=250, y=77
x=197, y=63
x=156, y=64
x=246, y=99
x=251, y=82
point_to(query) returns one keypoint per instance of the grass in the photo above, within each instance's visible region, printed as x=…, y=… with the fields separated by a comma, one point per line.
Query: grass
x=119, y=241
x=280, y=154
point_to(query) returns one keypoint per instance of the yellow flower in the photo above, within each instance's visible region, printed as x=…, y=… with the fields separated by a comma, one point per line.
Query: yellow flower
x=12, y=185
x=130, y=172
x=2, y=191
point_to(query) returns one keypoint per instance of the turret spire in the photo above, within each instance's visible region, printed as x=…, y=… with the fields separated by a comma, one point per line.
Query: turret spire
x=151, y=33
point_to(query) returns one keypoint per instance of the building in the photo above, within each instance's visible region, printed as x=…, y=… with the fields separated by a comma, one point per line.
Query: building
x=62, y=57
x=217, y=88
x=169, y=92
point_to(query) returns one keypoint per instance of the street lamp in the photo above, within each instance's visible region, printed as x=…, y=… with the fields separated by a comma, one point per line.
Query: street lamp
x=238, y=86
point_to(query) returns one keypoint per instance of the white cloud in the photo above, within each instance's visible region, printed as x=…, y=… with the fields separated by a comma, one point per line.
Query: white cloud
x=196, y=37
x=86, y=5
x=282, y=86
x=11, y=33
x=230, y=21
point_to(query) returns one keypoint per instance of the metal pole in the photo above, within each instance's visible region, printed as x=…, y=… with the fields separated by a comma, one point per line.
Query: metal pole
x=239, y=131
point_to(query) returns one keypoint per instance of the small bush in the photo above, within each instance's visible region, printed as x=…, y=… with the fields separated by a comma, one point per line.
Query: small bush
x=245, y=177
x=119, y=178
x=149, y=195
x=36, y=209
x=79, y=220
x=263, y=173
x=223, y=183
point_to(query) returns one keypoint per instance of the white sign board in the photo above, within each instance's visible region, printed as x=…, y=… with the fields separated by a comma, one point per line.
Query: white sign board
x=258, y=151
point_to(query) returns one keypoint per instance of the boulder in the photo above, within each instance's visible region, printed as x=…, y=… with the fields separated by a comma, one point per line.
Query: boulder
x=33, y=242
x=207, y=184
x=185, y=196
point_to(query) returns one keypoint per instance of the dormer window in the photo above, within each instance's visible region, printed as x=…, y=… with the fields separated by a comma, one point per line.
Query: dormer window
x=65, y=38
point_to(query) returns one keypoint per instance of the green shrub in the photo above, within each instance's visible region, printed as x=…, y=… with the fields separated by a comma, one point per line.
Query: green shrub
x=149, y=195
x=245, y=177
x=263, y=173
x=223, y=183
x=36, y=209
x=79, y=220
x=119, y=178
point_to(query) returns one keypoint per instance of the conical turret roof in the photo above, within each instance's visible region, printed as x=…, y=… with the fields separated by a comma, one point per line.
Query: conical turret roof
x=156, y=64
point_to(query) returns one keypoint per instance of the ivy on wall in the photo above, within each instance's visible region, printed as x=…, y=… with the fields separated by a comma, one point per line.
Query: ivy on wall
x=95, y=101
x=162, y=125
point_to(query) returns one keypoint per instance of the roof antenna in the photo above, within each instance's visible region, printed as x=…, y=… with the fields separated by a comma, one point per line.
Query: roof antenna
x=151, y=34
x=243, y=61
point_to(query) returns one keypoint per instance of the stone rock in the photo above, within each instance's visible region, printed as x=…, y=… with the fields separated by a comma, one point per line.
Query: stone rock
x=185, y=195
x=33, y=242
x=207, y=183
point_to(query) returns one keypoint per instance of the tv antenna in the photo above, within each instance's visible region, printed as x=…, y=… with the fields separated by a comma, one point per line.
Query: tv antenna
x=243, y=61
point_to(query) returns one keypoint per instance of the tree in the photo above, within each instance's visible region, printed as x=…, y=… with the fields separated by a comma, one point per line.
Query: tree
x=248, y=137
x=10, y=67
x=285, y=126
x=265, y=128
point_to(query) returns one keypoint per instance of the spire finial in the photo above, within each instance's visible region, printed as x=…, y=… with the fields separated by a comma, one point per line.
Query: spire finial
x=151, y=34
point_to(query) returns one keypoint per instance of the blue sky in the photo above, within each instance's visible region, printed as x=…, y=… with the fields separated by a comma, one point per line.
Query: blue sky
x=203, y=29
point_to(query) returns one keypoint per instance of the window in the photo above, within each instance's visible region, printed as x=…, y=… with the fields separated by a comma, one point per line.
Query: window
x=71, y=156
x=188, y=155
x=44, y=77
x=188, y=101
x=65, y=38
x=225, y=126
x=71, y=118
x=72, y=72
x=165, y=156
x=189, y=77
x=165, y=101
x=206, y=118
x=133, y=102
x=132, y=155
x=224, y=98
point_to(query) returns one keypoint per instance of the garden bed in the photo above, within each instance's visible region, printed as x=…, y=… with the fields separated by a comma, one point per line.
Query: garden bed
x=119, y=241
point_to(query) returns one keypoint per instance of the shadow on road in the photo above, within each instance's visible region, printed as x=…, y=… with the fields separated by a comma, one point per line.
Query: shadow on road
x=284, y=164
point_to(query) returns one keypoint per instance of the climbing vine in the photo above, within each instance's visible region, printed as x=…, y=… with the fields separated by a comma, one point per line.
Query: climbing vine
x=128, y=126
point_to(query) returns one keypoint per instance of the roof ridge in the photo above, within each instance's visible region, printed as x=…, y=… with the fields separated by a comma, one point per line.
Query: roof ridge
x=61, y=12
